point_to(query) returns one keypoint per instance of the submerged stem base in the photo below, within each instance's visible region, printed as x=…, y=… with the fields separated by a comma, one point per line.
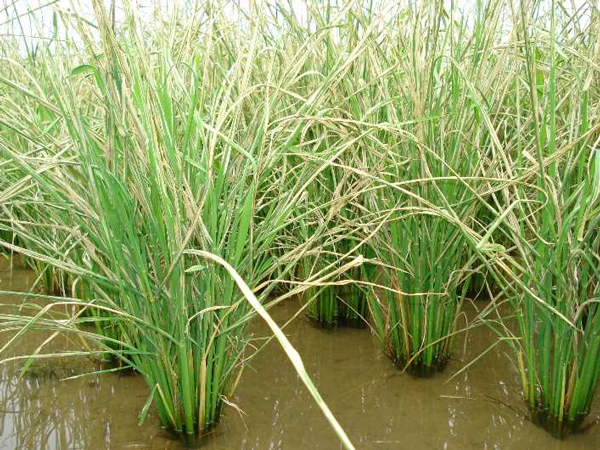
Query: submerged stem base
x=419, y=369
x=338, y=306
x=559, y=427
x=191, y=440
x=338, y=321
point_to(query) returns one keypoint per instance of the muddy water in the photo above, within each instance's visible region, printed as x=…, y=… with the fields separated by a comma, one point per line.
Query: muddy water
x=378, y=407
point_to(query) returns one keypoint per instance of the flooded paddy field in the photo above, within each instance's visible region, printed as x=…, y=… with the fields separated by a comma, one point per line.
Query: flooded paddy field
x=169, y=174
x=379, y=407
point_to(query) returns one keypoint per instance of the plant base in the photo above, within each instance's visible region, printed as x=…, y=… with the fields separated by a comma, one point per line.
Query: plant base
x=418, y=369
x=559, y=427
x=340, y=321
x=190, y=440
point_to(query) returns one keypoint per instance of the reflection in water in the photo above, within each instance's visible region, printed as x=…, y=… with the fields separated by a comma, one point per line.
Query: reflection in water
x=35, y=417
x=380, y=408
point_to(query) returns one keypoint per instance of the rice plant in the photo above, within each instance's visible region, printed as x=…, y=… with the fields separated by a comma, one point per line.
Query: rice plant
x=435, y=180
x=557, y=238
x=341, y=301
x=550, y=273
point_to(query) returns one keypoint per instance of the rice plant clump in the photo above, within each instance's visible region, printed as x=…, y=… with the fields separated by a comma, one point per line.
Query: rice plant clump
x=551, y=272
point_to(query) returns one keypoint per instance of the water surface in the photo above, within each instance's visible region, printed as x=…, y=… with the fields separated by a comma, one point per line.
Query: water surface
x=379, y=407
